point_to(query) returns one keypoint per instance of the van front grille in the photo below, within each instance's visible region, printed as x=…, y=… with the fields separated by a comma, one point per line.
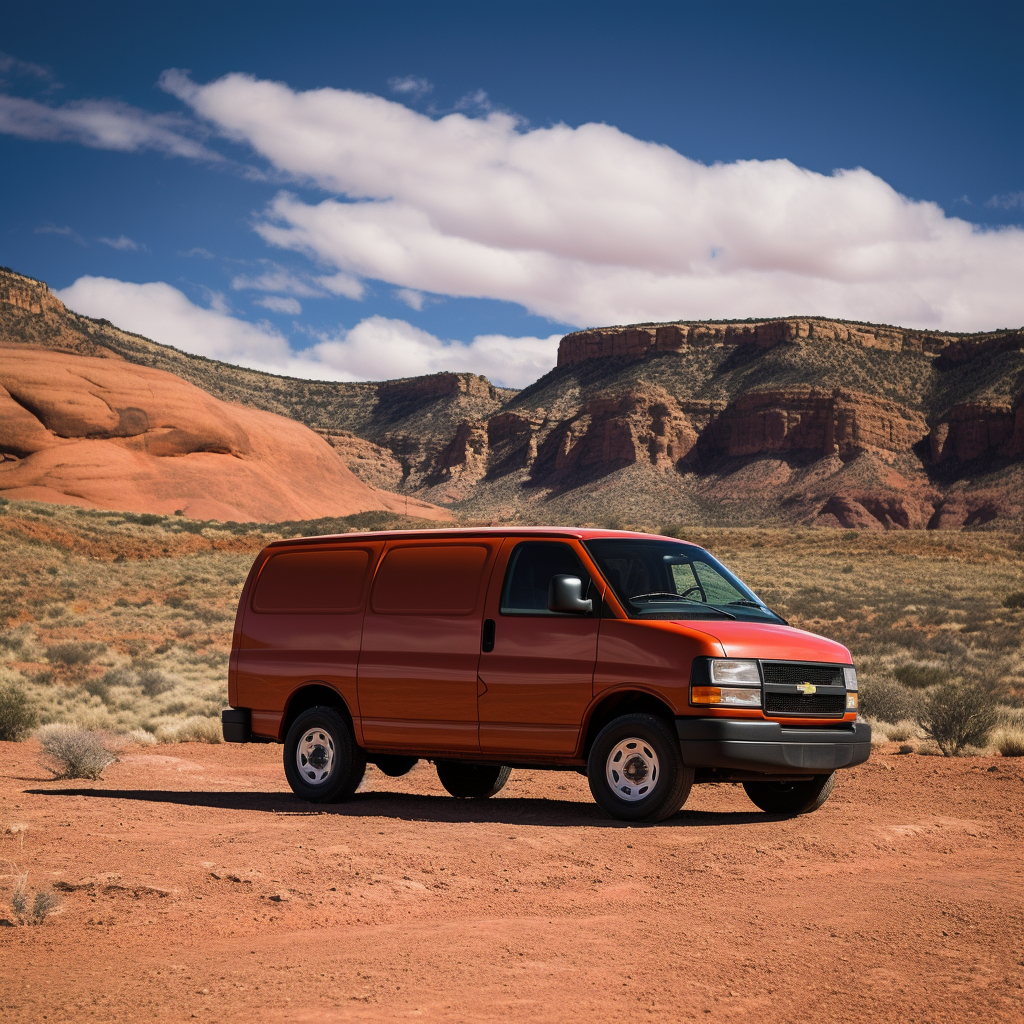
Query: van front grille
x=811, y=704
x=790, y=673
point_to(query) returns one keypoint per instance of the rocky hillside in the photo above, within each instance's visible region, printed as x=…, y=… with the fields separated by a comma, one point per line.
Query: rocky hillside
x=799, y=420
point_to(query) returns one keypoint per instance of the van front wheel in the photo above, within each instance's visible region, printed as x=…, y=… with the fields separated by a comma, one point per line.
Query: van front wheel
x=791, y=797
x=472, y=781
x=321, y=760
x=636, y=769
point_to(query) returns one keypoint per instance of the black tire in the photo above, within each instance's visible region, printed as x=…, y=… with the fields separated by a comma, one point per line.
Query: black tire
x=791, y=797
x=655, y=758
x=472, y=781
x=395, y=765
x=327, y=737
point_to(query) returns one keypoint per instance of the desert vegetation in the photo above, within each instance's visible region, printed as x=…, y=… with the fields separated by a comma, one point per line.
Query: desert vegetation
x=121, y=622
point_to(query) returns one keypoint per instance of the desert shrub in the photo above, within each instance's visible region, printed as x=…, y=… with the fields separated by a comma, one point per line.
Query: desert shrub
x=196, y=729
x=73, y=753
x=920, y=677
x=74, y=653
x=887, y=699
x=11, y=642
x=1014, y=600
x=17, y=716
x=154, y=682
x=120, y=676
x=98, y=688
x=1010, y=742
x=957, y=715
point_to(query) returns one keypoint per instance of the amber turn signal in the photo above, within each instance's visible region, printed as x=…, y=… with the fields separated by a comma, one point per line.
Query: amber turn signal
x=706, y=695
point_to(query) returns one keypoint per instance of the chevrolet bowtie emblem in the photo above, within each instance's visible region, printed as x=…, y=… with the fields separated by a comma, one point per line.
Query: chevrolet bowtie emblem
x=806, y=688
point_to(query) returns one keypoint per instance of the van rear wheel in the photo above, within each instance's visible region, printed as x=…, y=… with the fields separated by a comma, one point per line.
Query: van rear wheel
x=791, y=797
x=636, y=770
x=472, y=781
x=321, y=760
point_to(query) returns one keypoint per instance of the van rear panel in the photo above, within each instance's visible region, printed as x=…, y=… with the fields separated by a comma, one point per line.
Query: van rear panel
x=301, y=623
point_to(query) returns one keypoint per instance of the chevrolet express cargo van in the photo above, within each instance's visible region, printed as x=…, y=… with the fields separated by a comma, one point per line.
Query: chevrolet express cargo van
x=636, y=659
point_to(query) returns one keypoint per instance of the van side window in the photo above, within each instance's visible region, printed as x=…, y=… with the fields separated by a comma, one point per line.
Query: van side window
x=328, y=582
x=430, y=579
x=530, y=569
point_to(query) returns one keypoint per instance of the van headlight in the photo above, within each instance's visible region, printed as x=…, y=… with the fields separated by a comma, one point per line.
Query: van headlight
x=733, y=683
x=850, y=677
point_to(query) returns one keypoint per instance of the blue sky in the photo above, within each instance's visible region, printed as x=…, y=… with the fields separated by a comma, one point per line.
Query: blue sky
x=475, y=209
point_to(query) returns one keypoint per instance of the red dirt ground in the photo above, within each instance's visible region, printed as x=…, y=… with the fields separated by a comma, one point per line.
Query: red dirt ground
x=202, y=889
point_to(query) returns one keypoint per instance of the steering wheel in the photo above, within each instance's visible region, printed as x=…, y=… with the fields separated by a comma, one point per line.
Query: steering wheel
x=700, y=590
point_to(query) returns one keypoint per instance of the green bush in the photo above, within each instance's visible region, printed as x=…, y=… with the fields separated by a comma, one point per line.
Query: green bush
x=17, y=716
x=887, y=700
x=957, y=715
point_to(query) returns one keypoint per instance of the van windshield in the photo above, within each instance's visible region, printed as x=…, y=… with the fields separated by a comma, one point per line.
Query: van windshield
x=667, y=579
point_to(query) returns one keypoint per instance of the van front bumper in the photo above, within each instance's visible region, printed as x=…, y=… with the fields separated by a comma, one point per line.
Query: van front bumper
x=771, y=748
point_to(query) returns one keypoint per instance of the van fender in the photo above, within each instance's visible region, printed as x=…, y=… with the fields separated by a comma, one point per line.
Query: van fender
x=616, y=700
x=311, y=694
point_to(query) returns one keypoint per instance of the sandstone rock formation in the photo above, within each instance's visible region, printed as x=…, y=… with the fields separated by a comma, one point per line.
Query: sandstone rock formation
x=792, y=420
x=104, y=433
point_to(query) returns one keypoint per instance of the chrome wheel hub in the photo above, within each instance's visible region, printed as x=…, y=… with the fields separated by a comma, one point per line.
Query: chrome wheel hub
x=632, y=769
x=314, y=756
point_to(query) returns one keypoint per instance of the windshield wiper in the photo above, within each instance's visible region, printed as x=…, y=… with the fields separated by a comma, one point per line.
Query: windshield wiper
x=662, y=593
x=748, y=604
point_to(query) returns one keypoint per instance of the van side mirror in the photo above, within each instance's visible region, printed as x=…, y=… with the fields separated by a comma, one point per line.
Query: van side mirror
x=565, y=594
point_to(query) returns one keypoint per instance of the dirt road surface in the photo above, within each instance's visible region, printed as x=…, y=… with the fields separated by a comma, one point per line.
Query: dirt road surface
x=195, y=886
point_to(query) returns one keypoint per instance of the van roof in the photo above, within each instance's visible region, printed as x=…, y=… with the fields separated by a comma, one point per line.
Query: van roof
x=579, y=533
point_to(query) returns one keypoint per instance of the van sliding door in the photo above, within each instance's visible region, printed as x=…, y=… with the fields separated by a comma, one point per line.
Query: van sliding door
x=421, y=645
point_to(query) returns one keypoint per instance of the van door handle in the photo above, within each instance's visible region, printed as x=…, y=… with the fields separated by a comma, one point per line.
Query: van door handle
x=488, y=638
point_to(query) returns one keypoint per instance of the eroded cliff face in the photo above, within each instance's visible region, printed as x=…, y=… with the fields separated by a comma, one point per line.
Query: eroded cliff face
x=798, y=419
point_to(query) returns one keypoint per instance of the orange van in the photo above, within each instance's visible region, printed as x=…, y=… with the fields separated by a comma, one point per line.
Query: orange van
x=638, y=660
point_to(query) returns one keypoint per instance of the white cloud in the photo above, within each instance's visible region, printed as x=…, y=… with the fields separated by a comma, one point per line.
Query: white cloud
x=122, y=242
x=414, y=300
x=343, y=284
x=280, y=304
x=158, y=311
x=379, y=348
x=376, y=348
x=411, y=85
x=65, y=231
x=276, y=280
x=589, y=225
x=1007, y=201
x=102, y=124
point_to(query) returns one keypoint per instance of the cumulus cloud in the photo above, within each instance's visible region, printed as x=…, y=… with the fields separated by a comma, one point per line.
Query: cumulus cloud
x=157, y=310
x=376, y=348
x=280, y=304
x=589, y=225
x=102, y=124
x=122, y=243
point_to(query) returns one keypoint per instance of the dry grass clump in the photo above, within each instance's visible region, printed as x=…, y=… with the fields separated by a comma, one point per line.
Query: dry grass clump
x=45, y=902
x=1009, y=741
x=70, y=752
x=195, y=729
